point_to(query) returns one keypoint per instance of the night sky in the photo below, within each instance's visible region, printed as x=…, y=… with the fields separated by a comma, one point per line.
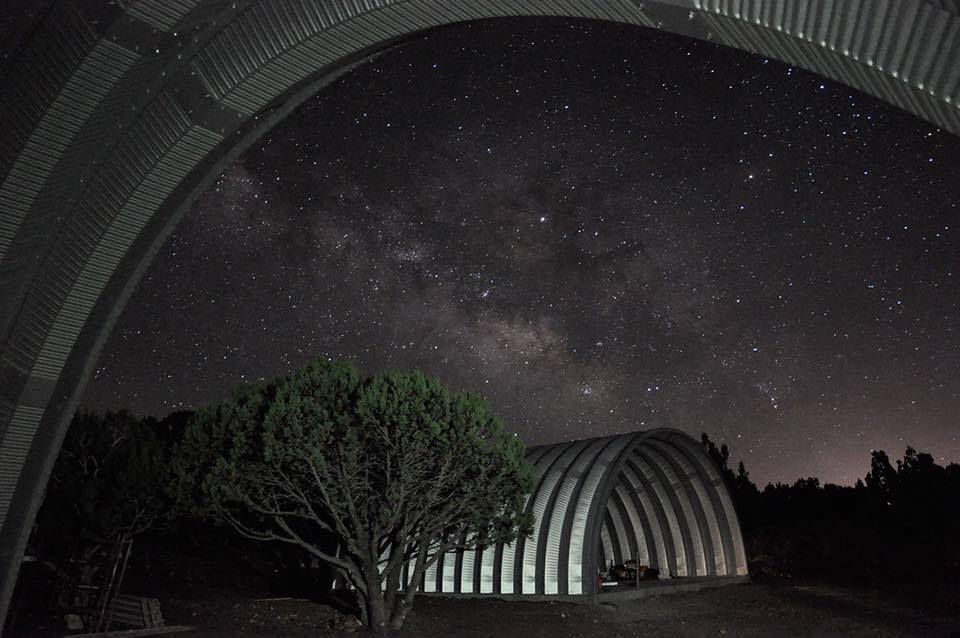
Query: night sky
x=603, y=229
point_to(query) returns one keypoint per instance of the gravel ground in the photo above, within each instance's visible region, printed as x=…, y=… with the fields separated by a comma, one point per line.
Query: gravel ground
x=785, y=609
x=742, y=610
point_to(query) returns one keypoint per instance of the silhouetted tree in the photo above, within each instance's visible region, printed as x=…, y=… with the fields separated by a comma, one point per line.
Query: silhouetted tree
x=396, y=467
x=882, y=479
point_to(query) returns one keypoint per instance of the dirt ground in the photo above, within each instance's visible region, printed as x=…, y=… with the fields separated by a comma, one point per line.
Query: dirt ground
x=741, y=610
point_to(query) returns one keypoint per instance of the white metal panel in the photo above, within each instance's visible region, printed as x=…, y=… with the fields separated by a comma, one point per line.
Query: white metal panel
x=430, y=578
x=573, y=478
x=466, y=571
x=620, y=531
x=636, y=526
x=606, y=543
x=706, y=505
x=486, y=569
x=596, y=470
x=507, y=564
x=449, y=572
x=651, y=515
x=540, y=500
x=725, y=507
x=689, y=517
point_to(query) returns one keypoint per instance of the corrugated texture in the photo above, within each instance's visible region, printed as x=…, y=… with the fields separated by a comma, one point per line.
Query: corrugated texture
x=598, y=468
x=893, y=49
x=162, y=14
x=136, y=212
x=139, y=176
x=658, y=525
x=45, y=66
x=247, y=78
x=555, y=551
x=686, y=515
x=62, y=120
x=634, y=524
x=13, y=451
x=540, y=500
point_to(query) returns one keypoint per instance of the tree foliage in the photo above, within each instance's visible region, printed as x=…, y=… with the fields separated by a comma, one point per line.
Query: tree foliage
x=396, y=468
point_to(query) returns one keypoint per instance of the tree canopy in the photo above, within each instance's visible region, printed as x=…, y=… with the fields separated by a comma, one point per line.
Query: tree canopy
x=394, y=468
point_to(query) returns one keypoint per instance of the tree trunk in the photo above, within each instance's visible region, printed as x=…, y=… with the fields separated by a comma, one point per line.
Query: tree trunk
x=376, y=606
x=404, y=603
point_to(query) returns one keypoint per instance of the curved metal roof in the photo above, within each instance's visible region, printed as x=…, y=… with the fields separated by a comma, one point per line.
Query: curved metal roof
x=653, y=496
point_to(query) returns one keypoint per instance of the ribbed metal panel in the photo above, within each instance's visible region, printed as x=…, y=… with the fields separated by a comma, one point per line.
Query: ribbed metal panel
x=430, y=578
x=555, y=552
x=13, y=451
x=726, y=514
x=540, y=513
x=726, y=511
x=657, y=498
x=511, y=566
x=166, y=173
x=162, y=14
x=662, y=494
x=605, y=543
x=706, y=506
x=61, y=122
x=467, y=571
x=634, y=523
x=508, y=568
x=448, y=573
x=890, y=48
x=659, y=528
x=687, y=516
x=45, y=65
x=486, y=570
x=596, y=470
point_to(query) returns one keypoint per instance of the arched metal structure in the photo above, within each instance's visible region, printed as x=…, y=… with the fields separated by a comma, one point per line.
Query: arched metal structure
x=654, y=496
x=117, y=112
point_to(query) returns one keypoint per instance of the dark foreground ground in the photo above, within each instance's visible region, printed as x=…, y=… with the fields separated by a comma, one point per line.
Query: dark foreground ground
x=741, y=610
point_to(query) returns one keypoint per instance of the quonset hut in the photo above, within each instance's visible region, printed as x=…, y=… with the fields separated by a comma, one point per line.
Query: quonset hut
x=654, y=496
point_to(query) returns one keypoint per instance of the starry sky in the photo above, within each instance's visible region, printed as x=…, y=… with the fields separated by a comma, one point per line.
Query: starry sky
x=602, y=228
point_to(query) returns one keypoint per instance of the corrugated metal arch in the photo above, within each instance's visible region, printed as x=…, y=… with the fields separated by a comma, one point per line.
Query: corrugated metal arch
x=655, y=496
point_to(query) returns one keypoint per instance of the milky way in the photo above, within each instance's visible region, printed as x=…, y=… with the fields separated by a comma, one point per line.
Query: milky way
x=601, y=228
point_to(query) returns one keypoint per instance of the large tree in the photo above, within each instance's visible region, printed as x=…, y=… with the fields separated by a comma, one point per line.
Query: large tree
x=396, y=467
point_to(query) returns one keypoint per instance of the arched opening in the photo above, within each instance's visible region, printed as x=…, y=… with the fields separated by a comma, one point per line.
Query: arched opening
x=117, y=116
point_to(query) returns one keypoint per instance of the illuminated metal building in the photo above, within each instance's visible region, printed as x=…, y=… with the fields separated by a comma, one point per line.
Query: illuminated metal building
x=652, y=496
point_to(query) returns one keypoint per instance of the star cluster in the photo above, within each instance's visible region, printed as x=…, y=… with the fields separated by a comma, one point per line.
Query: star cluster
x=602, y=228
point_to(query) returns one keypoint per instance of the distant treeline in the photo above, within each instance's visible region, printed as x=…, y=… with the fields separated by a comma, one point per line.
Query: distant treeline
x=897, y=527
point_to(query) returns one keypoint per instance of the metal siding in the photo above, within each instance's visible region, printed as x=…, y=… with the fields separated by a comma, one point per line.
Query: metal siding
x=689, y=505
x=449, y=570
x=699, y=483
x=468, y=561
x=655, y=503
x=597, y=469
x=681, y=509
x=605, y=542
x=540, y=500
x=636, y=526
x=486, y=570
x=723, y=504
x=571, y=482
x=625, y=548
